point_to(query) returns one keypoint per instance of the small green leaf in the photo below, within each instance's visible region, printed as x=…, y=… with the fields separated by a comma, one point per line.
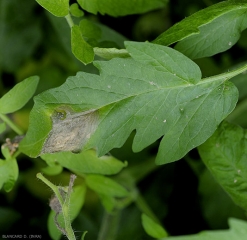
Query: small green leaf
x=108, y=202
x=237, y=231
x=225, y=156
x=2, y=127
x=19, y=95
x=75, y=10
x=77, y=201
x=89, y=29
x=106, y=186
x=85, y=162
x=209, y=31
x=83, y=235
x=9, y=173
x=59, y=8
x=80, y=48
x=152, y=228
x=121, y=7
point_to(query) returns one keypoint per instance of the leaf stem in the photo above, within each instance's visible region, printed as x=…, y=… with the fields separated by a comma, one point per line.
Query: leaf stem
x=143, y=206
x=227, y=75
x=69, y=20
x=109, y=226
x=64, y=203
x=11, y=124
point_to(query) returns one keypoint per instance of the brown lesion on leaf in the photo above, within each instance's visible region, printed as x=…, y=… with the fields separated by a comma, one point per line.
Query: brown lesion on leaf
x=70, y=130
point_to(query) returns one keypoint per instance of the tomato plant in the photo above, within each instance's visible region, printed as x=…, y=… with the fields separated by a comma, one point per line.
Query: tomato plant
x=137, y=121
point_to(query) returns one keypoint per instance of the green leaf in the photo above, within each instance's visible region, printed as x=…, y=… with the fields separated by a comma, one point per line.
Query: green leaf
x=77, y=201
x=120, y=7
x=108, y=202
x=59, y=8
x=225, y=156
x=152, y=228
x=237, y=231
x=90, y=29
x=80, y=48
x=8, y=171
x=216, y=205
x=86, y=162
x=19, y=95
x=2, y=127
x=106, y=186
x=75, y=10
x=157, y=92
x=209, y=31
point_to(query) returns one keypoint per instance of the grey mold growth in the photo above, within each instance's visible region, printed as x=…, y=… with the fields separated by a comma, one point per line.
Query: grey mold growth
x=70, y=130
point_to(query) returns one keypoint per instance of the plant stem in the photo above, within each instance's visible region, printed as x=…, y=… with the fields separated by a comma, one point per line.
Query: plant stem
x=226, y=75
x=64, y=203
x=69, y=20
x=65, y=209
x=53, y=187
x=11, y=124
x=143, y=206
x=109, y=226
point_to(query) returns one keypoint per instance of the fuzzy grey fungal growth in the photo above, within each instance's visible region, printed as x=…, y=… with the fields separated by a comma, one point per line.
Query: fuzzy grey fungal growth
x=70, y=130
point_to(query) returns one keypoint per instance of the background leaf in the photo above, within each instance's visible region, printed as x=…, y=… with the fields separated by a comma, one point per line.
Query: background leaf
x=209, y=31
x=20, y=33
x=2, y=127
x=237, y=231
x=75, y=10
x=86, y=162
x=106, y=186
x=164, y=96
x=9, y=171
x=19, y=95
x=120, y=7
x=80, y=48
x=152, y=228
x=59, y=8
x=225, y=156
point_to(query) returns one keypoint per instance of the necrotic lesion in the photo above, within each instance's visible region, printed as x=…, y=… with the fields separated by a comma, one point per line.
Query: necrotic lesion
x=70, y=130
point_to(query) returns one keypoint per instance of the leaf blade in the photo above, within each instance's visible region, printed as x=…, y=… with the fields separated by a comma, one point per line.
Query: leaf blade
x=120, y=7
x=209, y=31
x=224, y=154
x=134, y=94
x=59, y=8
x=19, y=95
x=86, y=162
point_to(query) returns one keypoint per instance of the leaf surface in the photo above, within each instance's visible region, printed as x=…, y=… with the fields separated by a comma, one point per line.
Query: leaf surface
x=225, y=155
x=209, y=31
x=80, y=48
x=19, y=95
x=9, y=171
x=120, y=7
x=86, y=162
x=237, y=231
x=152, y=228
x=59, y=8
x=106, y=186
x=157, y=92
